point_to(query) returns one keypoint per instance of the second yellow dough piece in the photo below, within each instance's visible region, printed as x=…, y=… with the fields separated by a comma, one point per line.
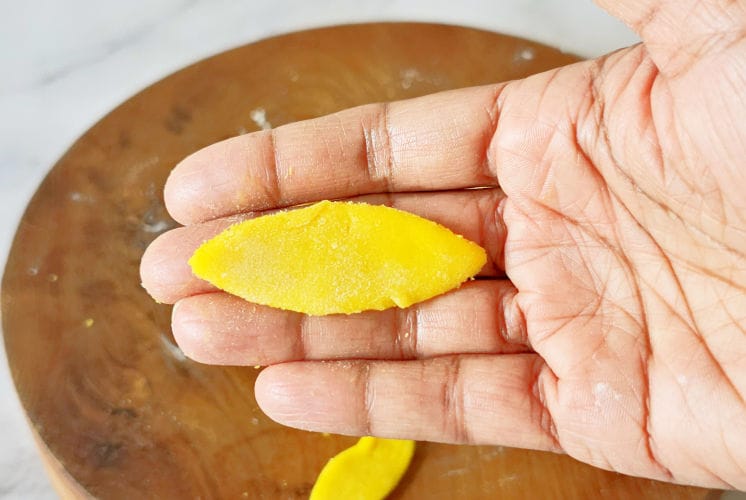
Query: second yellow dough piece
x=369, y=470
x=337, y=257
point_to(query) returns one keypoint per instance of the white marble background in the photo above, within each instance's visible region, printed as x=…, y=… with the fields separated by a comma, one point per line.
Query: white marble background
x=65, y=63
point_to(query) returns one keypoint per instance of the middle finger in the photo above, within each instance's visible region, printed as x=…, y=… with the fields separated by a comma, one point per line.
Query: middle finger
x=474, y=214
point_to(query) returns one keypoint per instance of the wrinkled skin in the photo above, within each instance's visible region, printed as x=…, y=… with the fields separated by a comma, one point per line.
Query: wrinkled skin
x=613, y=327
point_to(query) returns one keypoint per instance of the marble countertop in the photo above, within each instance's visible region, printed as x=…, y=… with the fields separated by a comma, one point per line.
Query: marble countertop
x=66, y=64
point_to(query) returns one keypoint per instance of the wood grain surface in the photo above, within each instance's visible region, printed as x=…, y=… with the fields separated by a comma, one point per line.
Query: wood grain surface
x=118, y=409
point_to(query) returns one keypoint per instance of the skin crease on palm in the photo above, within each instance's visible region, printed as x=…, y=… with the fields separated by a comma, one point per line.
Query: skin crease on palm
x=611, y=323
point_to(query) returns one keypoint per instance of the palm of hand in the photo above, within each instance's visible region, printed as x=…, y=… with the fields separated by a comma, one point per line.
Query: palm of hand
x=627, y=247
x=618, y=336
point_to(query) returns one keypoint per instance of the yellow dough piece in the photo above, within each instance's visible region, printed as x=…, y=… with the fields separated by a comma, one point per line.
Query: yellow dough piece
x=337, y=257
x=369, y=470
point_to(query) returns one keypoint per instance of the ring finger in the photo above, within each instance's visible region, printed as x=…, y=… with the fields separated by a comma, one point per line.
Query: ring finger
x=480, y=317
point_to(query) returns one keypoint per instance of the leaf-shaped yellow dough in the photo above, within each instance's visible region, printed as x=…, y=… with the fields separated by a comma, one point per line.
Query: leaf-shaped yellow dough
x=337, y=257
x=368, y=470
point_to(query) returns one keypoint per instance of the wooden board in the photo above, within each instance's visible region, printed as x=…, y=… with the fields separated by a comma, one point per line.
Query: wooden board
x=119, y=412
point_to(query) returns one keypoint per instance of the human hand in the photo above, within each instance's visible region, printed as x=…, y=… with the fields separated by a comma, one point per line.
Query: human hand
x=613, y=323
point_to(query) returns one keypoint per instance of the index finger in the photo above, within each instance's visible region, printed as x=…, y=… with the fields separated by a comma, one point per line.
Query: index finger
x=430, y=143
